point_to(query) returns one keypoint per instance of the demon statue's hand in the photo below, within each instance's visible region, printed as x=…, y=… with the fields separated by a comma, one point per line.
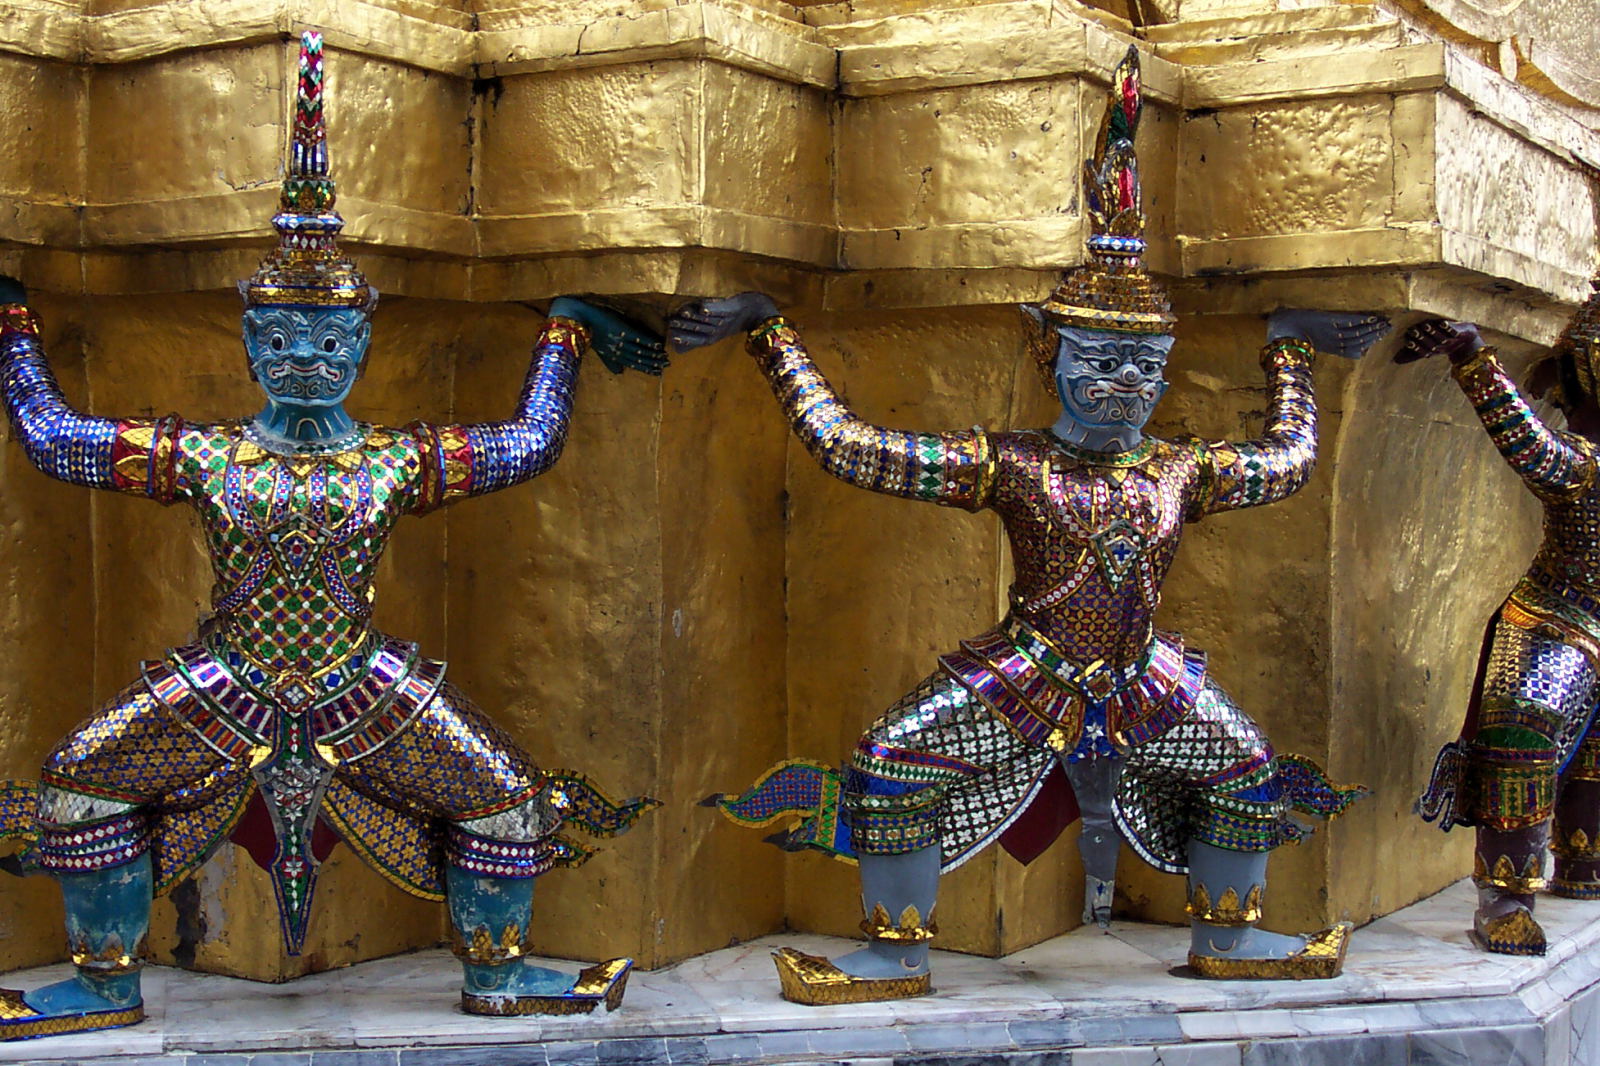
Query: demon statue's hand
x=703, y=322
x=12, y=291
x=1454, y=340
x=1342, y=333
x=619, y=343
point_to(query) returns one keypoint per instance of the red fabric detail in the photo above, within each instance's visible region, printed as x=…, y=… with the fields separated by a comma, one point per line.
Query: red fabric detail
x=323, y=840
x=1054, y=807
x=254, y=834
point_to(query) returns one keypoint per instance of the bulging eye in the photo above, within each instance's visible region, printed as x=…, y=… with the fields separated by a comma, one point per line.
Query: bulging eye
x=330, y=344
x=277, y=343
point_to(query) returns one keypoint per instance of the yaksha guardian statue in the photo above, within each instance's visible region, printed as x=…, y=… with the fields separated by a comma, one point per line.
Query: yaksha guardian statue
x=1529, y=748
x=291, y=710
x=1075, y=678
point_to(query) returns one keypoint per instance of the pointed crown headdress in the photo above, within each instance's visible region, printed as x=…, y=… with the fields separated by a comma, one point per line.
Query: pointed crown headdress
x=1111, y=290
x=306, y=267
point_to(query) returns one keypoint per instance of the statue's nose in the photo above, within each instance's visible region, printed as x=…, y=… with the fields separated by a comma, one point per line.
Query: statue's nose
x=1129, y=374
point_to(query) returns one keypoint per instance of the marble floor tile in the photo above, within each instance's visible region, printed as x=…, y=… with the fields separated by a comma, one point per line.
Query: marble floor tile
x=1415, y=992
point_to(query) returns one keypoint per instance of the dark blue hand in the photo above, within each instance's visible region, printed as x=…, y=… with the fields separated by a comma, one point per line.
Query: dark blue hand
x=703, y=322
x=619, y=343
x=12, y=291
x=1340, y=333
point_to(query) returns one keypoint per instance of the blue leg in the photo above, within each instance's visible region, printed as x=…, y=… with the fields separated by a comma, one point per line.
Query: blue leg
x=490, y=916
x=108, y=916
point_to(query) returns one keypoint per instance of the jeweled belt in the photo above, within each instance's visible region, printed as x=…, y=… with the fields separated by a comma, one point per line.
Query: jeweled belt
x=1096, y=680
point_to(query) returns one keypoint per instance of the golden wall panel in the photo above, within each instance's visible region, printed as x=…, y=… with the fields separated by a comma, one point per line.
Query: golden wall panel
x=40, y=102
x=1432, y=531
x=973, y=153
x=445, y=12
x=400, y=135
x=1554, y=40
x=1305, y=166
x=552, y=143
x=723, y=641
x=1527, y=216
x=224, y=920
x=192, y=124
x=46, y=622
x=767, y=147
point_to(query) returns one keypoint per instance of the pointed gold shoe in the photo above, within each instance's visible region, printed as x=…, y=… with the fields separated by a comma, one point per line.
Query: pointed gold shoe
x=1320, y=959
x=604, y=982
x=18, y=1021
x=1516, y=933
x=815, y=982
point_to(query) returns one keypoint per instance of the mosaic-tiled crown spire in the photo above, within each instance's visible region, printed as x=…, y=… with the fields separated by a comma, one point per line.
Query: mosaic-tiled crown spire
x=306, y=267
x=1111, y=291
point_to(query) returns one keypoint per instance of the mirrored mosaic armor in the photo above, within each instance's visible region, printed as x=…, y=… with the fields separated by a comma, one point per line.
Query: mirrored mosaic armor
x=292, y=723
x=1077, y=667
x=1075, y=688
x=1529, y=749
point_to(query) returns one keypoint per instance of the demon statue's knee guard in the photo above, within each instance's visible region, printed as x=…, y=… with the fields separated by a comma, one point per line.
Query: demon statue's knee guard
x=1076, y=674
x=293, y=721
x=1526, y=753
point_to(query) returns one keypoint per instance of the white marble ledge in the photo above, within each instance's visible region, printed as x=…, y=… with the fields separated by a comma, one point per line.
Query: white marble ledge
x=1414, y=991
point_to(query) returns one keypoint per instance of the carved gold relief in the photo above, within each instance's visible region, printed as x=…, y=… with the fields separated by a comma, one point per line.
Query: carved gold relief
x=1321, y=958
x=1577, y=845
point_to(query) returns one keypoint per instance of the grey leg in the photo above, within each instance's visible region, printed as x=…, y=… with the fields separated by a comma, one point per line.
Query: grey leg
x=1225, y=891
x=1094, y=781
x=889, y=885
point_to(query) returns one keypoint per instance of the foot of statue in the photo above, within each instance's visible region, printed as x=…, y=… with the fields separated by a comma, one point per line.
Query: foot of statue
x=878, y=971
x=1576, y=878
x=77, y=1005
x=1251, y=953
x=520, y=987
x=1504, y=924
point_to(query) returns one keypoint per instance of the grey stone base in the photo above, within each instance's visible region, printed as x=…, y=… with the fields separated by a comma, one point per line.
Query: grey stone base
x=1415, y=993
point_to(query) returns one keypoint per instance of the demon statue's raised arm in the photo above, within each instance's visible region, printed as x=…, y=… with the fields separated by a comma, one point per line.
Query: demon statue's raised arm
x=1075, y=679
x=291, y=703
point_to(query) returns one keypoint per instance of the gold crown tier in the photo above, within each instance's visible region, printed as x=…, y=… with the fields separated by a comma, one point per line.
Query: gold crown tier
x=1111, y=294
